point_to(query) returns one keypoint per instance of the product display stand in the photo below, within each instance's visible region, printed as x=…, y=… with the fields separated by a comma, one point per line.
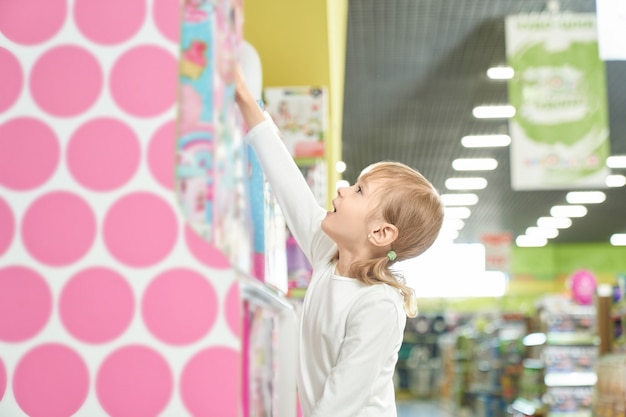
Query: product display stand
x=610, y=396
x=570, y=355
x=270, y=324
x=610, y=392
x=482, y=367
x=530, y=390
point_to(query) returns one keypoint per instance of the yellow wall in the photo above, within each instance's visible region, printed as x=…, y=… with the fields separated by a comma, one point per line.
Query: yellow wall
x=302, y=43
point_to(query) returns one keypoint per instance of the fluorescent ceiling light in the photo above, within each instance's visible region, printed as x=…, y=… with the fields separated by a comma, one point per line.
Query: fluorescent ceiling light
x=475, y=183
x=494, y=112
x=548, y=233
x=456, y=212
x=530, y=241
x=448, y=234
x=615, y=180
x=616, y=161
x=340, y=166
x=554, y=222
x=618, y=239
x=468, y=199
x=485, y=141
x=452, y=223
x=474, y=164
x=585, y=197
x=342, y=183
x=568, y=211
x=500, y=73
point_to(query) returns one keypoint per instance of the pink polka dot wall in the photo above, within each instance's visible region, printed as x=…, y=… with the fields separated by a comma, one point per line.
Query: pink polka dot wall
x=109, y=303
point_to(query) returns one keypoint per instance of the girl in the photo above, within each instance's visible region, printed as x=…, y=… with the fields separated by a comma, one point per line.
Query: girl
x=353, y=316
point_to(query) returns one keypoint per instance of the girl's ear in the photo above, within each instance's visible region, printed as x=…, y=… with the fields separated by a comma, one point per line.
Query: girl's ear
x=384, y=235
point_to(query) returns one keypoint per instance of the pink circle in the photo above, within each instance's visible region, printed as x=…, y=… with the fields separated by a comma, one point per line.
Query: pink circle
x=109, y=22
x=25, y=303
x=96, y=305
x=58, y=228
x=204, y=388
x=233, y=309
x=66, y=80
x=140, y=229
x=103, y=154
x=166, y=17
x=583, y=287
x=204, y=251
x=134, y=381
x=180, y=306
x=51, y=380
x=162, y=154
x=11, y=80
x=3, y=379
x=7, y=226
x=44, y=19
x=29, y=153
x=144, y=81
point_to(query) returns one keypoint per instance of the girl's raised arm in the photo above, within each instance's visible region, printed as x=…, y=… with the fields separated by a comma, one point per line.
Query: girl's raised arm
x=250, y=110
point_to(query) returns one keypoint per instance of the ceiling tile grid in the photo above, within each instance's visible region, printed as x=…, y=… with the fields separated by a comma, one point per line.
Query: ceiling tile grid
x=414, y=71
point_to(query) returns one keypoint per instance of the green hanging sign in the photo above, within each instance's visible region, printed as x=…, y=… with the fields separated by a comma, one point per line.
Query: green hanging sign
x=559, y=134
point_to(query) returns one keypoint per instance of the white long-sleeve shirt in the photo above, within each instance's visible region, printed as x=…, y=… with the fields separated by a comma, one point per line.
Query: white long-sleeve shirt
x=350, y=332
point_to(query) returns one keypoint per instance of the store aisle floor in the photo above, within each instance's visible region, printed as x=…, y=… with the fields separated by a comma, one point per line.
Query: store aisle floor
x=426, y=408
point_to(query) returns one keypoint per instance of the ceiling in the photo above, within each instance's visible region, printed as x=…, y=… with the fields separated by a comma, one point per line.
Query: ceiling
x=414, y=71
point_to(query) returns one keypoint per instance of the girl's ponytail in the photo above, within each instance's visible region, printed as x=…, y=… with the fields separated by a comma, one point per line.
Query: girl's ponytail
x=378, y=271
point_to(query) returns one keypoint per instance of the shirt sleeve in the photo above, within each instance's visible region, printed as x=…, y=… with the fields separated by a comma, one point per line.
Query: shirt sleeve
x=372, y=336
x=303, y=214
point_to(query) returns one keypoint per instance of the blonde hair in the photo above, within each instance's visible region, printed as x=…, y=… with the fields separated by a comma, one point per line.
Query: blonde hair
x=413, y=205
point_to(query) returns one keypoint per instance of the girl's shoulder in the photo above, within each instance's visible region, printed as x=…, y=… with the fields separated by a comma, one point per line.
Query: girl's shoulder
x=380, y=292
x=382, y=300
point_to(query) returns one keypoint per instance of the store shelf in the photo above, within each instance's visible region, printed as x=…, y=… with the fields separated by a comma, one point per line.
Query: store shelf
x=571, y=379
x=569, y=355
x=572, y=339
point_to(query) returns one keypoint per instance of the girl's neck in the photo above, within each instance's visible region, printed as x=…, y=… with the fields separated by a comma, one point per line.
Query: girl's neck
x=342, y=271
x=344, y=263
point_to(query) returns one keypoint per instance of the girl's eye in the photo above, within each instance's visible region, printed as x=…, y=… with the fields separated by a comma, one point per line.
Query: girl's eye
x=358, y=189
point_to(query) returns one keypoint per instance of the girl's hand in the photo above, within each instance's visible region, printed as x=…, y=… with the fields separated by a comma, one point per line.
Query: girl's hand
x=252, y=114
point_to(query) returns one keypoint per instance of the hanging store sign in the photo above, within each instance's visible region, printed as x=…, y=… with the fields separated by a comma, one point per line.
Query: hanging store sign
x=497, y=251
x=560, y=135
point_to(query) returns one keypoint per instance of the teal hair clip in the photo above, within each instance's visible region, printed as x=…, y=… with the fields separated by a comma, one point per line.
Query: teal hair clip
x=392, y=255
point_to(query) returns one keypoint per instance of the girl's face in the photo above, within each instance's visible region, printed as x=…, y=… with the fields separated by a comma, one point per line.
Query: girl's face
x=350, y=221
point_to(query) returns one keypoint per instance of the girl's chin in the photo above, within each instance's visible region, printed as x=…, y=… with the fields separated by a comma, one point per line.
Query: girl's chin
x=325, y=222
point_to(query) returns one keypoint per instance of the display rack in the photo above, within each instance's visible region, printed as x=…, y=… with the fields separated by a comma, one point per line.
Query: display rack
x=482, y=365
x=270, y=325
x=610, y=398
x=570, y=355
x=610, y=390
